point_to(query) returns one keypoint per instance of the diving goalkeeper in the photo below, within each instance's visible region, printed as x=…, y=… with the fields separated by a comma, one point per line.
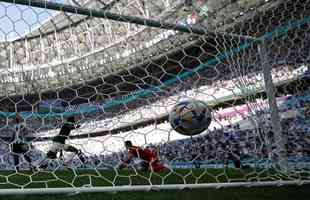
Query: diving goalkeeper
x=148, y=157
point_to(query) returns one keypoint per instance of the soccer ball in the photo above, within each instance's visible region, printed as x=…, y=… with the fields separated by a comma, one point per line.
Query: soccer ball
x=190, y=117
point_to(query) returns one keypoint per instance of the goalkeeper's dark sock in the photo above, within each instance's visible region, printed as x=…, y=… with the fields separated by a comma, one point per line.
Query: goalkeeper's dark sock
x=42, y=164
x=81, y=157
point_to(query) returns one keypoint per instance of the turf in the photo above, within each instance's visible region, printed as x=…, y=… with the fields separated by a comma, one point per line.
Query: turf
x=78, y=178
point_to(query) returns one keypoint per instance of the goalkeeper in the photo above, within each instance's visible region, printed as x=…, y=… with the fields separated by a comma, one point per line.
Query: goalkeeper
x=148, y=157
x=59, y=141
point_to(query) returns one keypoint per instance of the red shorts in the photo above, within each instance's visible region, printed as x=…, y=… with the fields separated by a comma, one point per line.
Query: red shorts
x=158, y=167
x=155, y=166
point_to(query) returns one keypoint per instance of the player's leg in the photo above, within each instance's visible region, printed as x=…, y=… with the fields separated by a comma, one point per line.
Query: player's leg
x=16, y=161
x=225, y=159
x=145, y=165
x=16, y=150
x=157, y=166
x=24, y=151
x=72, y=149
x=236, y=160
x=61, y=155
x=51, y=154
x=28, y=159
x=226, y=162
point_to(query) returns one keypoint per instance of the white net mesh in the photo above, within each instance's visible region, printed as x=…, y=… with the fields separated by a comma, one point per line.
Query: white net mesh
x=120, y=81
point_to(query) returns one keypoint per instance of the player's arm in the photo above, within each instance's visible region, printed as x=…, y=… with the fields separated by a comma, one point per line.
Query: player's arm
x=18, y=118
x=77, y=126
x=73, y=126
x=71, y=123
x=126, y=162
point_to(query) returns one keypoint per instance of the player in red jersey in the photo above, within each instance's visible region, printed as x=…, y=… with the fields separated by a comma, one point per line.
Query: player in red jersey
x=148, y=157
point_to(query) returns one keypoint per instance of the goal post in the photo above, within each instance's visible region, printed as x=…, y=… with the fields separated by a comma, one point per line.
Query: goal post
x=281, y=146
x=119, y=67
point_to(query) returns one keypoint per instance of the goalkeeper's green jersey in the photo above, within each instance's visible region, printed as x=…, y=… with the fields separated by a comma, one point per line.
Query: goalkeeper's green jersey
x=64, y=133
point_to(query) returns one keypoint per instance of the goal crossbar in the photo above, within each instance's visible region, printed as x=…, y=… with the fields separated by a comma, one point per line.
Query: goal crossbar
x=147, y=188
x=121, y=18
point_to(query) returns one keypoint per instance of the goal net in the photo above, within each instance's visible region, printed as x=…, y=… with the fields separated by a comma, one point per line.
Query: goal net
x=110, y=71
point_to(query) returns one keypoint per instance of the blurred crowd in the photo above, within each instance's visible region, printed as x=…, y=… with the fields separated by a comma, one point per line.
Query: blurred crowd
x=207, y=85
x=215, y=146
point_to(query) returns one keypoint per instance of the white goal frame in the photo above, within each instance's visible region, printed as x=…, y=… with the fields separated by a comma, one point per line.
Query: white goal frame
x=148, y=188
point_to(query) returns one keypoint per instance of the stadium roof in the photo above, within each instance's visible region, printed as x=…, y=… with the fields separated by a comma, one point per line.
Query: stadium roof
x=61, y=20
x=112, y=54
x=63, y=27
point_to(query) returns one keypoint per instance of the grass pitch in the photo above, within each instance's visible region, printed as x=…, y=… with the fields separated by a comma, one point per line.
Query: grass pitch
x=80, y=178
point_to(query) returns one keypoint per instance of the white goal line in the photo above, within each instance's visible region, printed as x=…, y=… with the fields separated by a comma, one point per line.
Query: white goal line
x=146, y=188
